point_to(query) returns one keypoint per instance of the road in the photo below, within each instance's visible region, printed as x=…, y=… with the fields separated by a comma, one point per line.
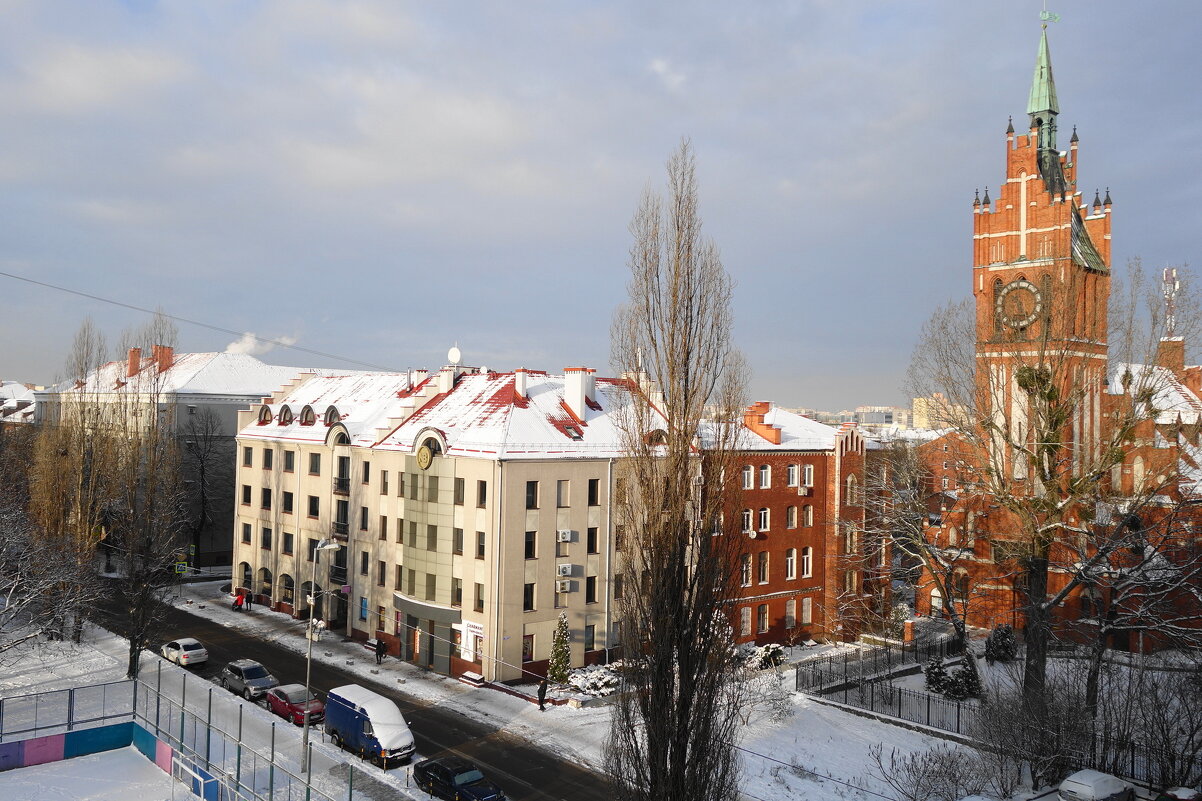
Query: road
x=523, y=771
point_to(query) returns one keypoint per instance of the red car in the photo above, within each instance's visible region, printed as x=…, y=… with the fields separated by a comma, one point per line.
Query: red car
x=289, y=702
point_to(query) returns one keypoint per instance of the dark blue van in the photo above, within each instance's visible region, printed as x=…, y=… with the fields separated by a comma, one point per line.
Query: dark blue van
x=368, y=724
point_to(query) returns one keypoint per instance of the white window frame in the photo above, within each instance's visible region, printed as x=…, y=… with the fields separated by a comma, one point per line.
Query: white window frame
x=807, y=611
x=765, y=518
x=747, y=520
x=791, y=613
x=807, y=475
x=791, y=563
x=765, y=476
x=790, y=517
x=807, y=562
x=763, y=567
x=745, y=571
x=745, y=621
x=791, y=475
x=748, y=477
x=807, y=516
x=763, y=618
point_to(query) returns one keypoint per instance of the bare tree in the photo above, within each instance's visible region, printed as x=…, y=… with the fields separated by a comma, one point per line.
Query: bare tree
x=207, y=460
x=672, y=737
x=1059, y=448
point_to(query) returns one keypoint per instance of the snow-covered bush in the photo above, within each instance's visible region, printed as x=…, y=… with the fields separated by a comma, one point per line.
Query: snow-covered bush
x=895, y=627
x=598, y=680
x=1001, y=645
x=936, y=675
x=965, y=682
x=760, y=657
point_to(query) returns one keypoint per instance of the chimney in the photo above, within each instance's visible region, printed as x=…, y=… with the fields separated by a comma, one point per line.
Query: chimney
x=753, y=419
x=578, y=389
x=446, y=379
x=135, y=362
x=166, y=357
x=1170, y=353
x=519, y=382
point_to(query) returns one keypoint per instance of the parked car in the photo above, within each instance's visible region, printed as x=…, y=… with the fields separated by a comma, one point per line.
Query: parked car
x=248, y=677
x=455, y=779
x=289, y=702
x=1093, y=785
x=1179, y=794
x=368, y=724
x=184, y=651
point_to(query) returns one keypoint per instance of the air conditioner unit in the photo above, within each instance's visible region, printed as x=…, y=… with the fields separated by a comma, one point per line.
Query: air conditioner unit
x=563, y=570
x=563, y=535
x=563, y=585
x=804, y=490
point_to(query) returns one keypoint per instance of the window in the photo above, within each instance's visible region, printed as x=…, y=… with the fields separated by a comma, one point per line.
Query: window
x=762, y=567
x=745, y=620
x=246, y=494
x=457, y=541
x=383, y=482
x=531, y=494
x=342, y=514
x=481, y=494
x=791, y=517
x=594, y=492
x=400, y=530
x=459, y=491
x=761, y=618
x=287, y=545
x=289, y=461
x=400, y=484
x=853, y=491
x=479, y=604
x=399, y=572
x=791, y=563
x=849, y=581
x=590, y=637
x=527, y=647
x=563, y=490
x=748, y=477
x=619, y=491
x=617, y=586
x=312, y=548
x=850, y=538
x=807, y=475
x=383, y=527
x=791, y=614
x=590, y=590
x=456, y=592
x=764, y=519
x=943, y=484
x=315, y=464
x=479, y=544
x=791, y=475
x=363, y=559
x=286, y=502
x=362, y=608
x=431, y=538
x=412, y=534
x=747, y=521
x=268, y=458
x=431, y=586
x=619, y=537
x=432, y=489
x=367, y=472
x=765, y=476
x=266, y=498
x=363, y=518
x=745, y=570
x=590, y=540
x=248, y=457
x=381, y=573
x=807, y=562
x=246, y=532
x=807, y=516
x=530, y=545
x=807, y=606
x=314, y=505
x=528, y=598
x=411, y=580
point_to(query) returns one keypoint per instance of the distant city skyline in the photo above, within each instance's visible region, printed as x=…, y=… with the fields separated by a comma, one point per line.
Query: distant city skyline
x=381, y=180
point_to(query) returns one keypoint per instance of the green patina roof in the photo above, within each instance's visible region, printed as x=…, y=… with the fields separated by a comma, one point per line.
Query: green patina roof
x=1043, y=87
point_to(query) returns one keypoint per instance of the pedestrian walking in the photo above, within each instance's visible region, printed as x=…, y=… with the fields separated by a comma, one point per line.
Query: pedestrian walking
x=381, y=649
x=249, y=600
x=542, y=696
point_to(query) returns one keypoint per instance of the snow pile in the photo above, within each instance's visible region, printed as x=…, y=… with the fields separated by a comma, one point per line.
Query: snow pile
x=596, y=680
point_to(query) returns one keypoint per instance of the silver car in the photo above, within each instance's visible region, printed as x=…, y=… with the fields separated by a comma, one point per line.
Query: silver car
x=248, y=677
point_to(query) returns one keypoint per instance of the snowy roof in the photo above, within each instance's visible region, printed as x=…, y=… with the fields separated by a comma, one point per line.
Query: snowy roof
x=797, y=433
x=1170, y=397
x=191, y=373
x=16, y=402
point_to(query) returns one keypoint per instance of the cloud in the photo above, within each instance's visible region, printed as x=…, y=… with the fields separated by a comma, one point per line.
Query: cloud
x=671, y=78
x=74, y=79
x=253, y=345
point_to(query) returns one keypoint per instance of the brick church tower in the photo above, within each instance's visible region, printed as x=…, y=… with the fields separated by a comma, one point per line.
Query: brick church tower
x=1041, y=273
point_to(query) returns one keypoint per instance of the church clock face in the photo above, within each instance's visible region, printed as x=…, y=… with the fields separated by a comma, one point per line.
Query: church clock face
x=1019, y=303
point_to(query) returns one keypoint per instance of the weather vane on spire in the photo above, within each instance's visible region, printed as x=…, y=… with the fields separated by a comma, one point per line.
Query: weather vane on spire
x=1048, y=16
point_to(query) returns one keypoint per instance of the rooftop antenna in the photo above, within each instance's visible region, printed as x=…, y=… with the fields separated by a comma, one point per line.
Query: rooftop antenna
x=454, y=355
x=1169, y=287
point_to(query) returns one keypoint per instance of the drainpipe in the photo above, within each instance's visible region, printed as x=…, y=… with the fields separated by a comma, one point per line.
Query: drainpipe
x=494, y=614
x=609, y=557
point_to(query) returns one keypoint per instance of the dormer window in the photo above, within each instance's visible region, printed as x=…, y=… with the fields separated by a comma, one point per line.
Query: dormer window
x=285, y=416
x=308, y=418
x=265, y=415
x=573, y=432
x=332, y=416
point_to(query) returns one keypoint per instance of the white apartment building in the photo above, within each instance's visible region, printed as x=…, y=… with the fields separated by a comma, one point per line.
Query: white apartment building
x=472, y=508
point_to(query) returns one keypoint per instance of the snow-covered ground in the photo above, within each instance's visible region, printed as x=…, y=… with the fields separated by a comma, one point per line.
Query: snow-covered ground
x=118, y=775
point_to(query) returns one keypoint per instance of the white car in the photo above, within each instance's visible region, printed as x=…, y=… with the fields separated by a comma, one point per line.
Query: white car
x=184, y=651
x=1093, y=785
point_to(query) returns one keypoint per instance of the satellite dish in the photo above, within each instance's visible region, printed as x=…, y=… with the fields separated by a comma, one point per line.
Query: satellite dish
x=453, y=355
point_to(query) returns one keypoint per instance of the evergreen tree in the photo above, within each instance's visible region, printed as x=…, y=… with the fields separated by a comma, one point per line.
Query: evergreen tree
x=561, y=655
x=965, y=682
x=936, y=675
x=1001, y=645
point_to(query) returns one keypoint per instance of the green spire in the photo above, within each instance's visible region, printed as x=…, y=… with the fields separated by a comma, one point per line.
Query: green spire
x=1043, y=86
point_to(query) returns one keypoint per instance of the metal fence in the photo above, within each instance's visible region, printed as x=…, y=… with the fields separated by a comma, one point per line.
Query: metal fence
x=852, y=668
x=56, y=711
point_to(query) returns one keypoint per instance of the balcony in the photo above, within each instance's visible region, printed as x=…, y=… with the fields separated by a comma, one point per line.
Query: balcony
x=341, y=529
x=342, y=485
x=337, y=576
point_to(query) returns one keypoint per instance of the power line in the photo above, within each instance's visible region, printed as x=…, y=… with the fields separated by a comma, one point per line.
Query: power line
x=211, y=327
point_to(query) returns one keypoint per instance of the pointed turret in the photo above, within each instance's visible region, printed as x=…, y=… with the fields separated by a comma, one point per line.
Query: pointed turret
x=1042, y=105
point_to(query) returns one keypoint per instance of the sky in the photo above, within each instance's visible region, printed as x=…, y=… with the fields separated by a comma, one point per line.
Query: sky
x=382, y=180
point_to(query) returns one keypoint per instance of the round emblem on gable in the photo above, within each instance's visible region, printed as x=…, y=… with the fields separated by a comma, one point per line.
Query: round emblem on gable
x=1019, y=303
x=424, y=457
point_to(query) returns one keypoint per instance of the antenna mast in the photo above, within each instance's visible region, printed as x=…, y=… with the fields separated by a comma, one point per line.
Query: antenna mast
x=1169, y=287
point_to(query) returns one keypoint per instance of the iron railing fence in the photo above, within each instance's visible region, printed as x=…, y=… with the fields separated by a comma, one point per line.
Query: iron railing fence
x=56, y=711
x=827, y=673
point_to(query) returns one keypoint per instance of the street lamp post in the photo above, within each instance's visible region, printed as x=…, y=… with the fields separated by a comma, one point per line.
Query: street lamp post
x=322, y=545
